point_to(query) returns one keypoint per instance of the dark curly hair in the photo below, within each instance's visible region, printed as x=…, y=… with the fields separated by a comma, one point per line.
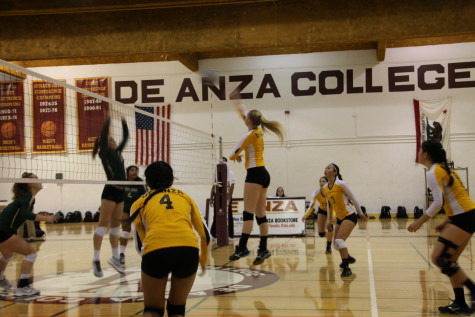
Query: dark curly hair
x=159, y=175
x=437, y=155
x=21, y=188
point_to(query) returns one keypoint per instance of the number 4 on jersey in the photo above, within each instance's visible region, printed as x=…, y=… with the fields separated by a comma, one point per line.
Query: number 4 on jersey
x=166, y=201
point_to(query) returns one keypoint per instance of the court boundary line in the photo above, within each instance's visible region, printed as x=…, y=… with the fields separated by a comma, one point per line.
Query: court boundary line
x=372, y=287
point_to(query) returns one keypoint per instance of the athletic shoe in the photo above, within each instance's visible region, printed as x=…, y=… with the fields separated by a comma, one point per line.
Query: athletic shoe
x=115, y=263
x=5, y=284
x=455, y=309
x=346, y=272
x=239, y=253
x=261, y=256
x=96, y=267
x=26, y=291
x=328, y=250
x=122, y=258
x=351, y=260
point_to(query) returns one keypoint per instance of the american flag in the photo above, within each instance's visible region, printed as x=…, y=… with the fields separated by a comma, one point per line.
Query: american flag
x=152, y=136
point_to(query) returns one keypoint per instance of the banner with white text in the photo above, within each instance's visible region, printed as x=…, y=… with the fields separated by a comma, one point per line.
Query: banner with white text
x=283, y=215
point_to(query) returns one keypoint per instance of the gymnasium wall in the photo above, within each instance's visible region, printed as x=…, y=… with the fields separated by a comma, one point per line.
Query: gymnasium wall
x=370, y=135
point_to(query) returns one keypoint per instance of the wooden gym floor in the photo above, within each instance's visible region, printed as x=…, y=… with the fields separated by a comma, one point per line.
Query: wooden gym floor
x=393, y=276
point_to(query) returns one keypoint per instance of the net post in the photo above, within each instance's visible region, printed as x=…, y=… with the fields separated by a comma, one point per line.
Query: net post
x=221, y=204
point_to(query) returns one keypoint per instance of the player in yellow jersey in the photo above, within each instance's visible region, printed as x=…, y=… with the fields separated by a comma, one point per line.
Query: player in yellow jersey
x=346, y=208
x=257, y=181
x=163, y=223
x=318, y=199
x=456, y=231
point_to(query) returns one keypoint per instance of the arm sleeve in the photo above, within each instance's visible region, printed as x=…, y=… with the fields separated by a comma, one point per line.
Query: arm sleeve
x=27, y=208
x=202, y=229
x=436, y=189
x=138, y=230
x=311, y=208
x=137, y=240
x=125, y=138
x=104, y=139
x=350, y=194
x=245, y=141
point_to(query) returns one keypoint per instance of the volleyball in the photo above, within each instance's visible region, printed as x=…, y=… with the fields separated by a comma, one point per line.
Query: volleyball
x=209, y=77
x=8, y=130
x=48, y=129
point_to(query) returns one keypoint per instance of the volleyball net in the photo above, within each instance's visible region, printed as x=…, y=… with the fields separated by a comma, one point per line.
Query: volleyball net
x=49, y=126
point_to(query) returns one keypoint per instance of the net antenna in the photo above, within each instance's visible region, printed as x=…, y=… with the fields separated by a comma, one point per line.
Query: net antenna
x=48, y=126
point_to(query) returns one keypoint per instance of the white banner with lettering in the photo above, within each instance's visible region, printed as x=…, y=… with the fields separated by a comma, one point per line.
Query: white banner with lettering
x=283, y=215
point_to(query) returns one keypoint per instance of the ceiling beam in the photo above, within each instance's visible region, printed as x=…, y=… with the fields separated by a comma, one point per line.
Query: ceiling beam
x=190, y=61
x=11, y=72
x=251, y=28
x=381, y=50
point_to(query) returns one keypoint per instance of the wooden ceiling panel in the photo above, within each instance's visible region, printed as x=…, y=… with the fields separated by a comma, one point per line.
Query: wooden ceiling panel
x=60, y=32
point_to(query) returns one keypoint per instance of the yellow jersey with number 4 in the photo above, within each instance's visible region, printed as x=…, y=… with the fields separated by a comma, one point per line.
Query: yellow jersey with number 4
x=167, y=220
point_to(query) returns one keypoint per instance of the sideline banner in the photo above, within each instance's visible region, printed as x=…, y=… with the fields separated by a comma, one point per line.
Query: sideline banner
x=283, y=215
x=48, y=102
x=91, y=111
x=12, y=117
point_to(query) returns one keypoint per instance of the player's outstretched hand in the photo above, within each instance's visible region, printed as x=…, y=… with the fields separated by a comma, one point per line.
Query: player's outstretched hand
x=51, y=219
x=413, y=227
x=239, y=158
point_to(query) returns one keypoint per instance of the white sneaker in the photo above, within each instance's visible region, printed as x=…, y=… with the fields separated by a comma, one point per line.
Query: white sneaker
x=5, y=284
x=26, y=291
x=96, y=267
x=115, y=263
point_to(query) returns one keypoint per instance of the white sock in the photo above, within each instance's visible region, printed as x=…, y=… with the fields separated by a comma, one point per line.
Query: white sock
x=97, y=255
x=24, y=276
x=122, y=248
x=115, y=252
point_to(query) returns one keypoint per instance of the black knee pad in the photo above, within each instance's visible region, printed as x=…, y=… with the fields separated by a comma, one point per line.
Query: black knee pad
x=247, y=216
x=447, y=266
x=175, y=309
x=261, y=220
x=450, y=268
x=321, y=234
x=154, y=310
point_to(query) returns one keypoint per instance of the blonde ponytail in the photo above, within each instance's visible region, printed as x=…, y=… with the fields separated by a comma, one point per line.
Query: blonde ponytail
x=275, y=127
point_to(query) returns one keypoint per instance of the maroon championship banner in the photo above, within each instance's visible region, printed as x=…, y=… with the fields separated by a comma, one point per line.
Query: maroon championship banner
x=12, y=118
x=91, y=111
x=48, y=117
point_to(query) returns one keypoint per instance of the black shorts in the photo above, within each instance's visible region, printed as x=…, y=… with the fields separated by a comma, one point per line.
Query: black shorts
x=465, y=221
x=180, y=261
x=5, y=236
x=322, y=212
x=352, y=217
x=113, y=193
x=258, y=175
